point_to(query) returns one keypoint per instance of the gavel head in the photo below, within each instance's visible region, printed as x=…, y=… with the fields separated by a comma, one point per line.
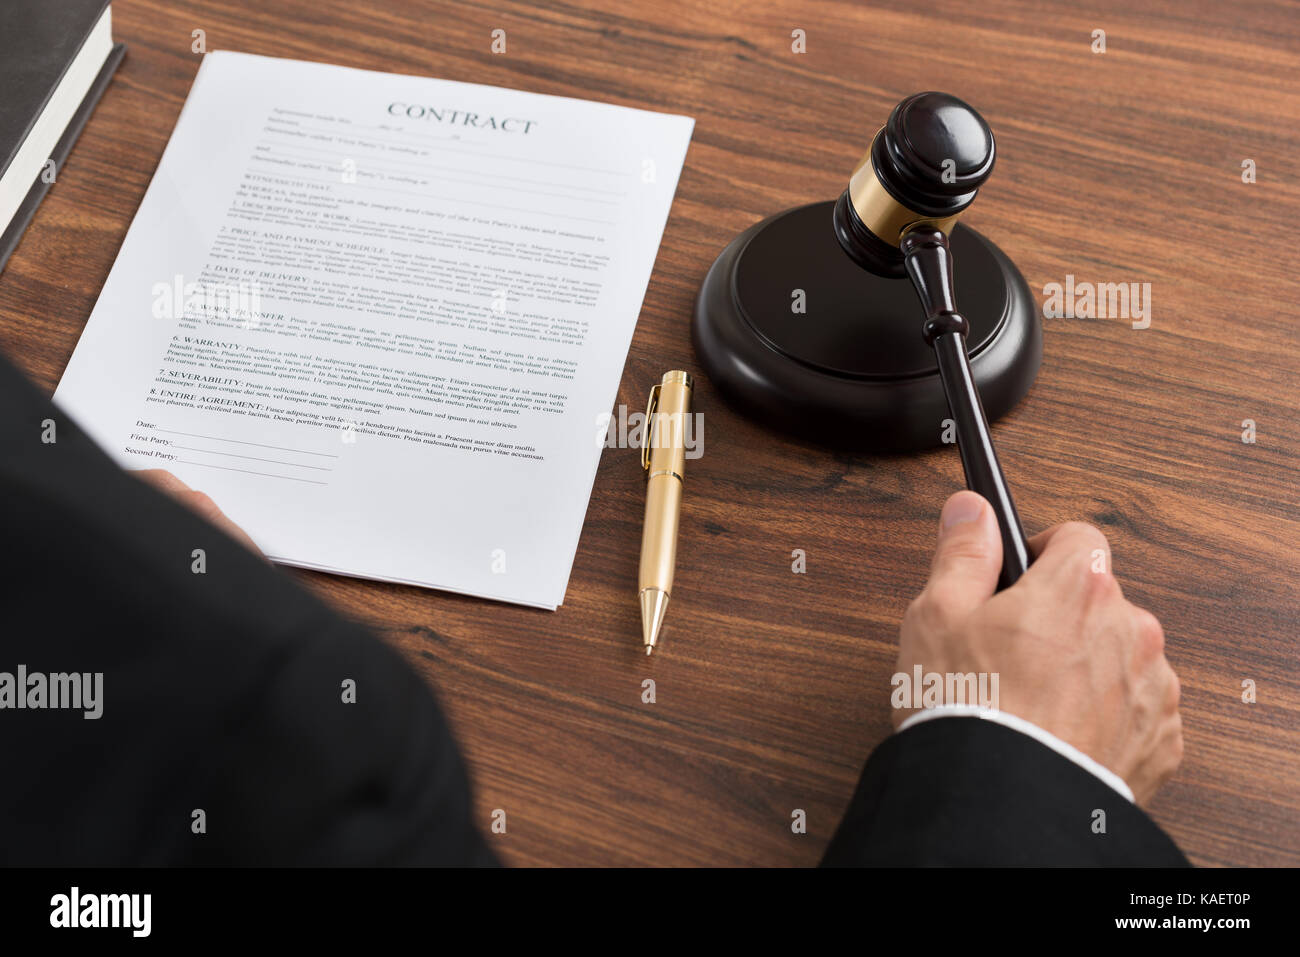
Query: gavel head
x=924, y=168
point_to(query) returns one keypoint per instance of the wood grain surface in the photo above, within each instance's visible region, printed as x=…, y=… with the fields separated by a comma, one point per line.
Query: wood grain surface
x=772, y=687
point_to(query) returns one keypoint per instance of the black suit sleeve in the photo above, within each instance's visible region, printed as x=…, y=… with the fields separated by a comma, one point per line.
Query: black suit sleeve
x=958, y=791
x=225, y=736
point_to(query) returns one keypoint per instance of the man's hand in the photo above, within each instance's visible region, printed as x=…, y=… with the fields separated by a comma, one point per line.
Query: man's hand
x=1071, y=654
x=196, y=502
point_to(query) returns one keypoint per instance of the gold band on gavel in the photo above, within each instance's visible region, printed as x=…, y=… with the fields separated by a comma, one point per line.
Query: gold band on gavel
x=885, y=216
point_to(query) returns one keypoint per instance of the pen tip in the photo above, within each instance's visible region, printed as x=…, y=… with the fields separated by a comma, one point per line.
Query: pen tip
x=654, y=603
x=649, y=649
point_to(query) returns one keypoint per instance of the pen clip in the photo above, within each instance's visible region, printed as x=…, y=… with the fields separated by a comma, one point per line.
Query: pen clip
x=651, y=404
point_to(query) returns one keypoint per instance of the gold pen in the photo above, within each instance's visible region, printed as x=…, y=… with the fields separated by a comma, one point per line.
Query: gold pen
x=663, y=456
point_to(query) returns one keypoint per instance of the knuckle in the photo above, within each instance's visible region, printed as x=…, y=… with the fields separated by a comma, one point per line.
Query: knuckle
x=1085, y=546
x=912, y=616
x=1150, y=632
x=203, y=504
x=1087, y=540
x=1176, y=748
x=1102, y=586
x=1084, y=533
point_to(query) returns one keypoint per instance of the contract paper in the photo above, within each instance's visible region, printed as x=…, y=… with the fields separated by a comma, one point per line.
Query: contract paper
x=382, y=319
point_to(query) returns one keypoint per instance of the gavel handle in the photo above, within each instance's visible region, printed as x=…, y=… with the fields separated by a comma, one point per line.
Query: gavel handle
x=928, y=261
x=978, y=457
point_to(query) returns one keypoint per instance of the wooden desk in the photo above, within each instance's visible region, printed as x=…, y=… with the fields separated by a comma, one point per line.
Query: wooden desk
x=772, y=687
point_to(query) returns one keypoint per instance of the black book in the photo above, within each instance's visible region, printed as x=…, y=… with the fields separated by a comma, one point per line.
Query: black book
x=56, y=58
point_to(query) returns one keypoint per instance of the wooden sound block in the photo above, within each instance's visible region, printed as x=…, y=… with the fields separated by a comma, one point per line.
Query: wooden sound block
x=852, y=370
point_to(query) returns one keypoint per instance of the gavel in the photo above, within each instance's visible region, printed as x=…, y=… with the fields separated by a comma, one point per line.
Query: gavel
x=924, y=168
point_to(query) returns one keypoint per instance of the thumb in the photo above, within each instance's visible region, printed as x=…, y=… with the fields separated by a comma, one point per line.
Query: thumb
x=968, y=558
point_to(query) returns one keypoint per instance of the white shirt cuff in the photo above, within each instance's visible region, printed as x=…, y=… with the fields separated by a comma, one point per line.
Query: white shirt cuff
x=1024, y=727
